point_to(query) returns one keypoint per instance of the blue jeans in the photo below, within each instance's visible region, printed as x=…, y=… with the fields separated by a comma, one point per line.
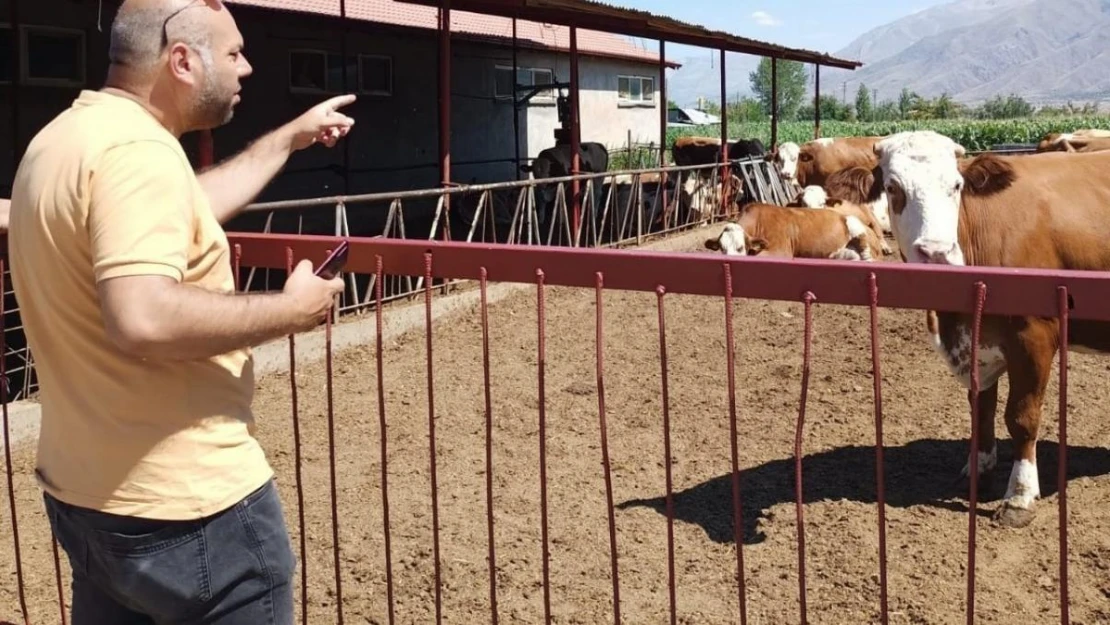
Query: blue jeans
x=232, y=568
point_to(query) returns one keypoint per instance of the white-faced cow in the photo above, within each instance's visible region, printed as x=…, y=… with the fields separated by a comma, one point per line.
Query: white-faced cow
x=1048, y=211
x=785, y=232
x=814, y=161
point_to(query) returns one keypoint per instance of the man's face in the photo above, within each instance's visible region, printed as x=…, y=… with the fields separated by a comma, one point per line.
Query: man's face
x=214, y=90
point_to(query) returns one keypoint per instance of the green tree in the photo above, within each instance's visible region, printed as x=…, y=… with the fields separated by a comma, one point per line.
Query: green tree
x=831, y=110
x=863, y=104
x=746, y=109
x=905, y=103
x=887, y=111
x=1010, y=107
x=792, y=81
x=946, y=108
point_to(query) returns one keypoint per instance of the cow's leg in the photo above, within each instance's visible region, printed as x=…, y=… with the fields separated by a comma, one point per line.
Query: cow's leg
x=847, y=253
x=857, y=238
x=987, y=453
x=1030, y=364
x=951, y=336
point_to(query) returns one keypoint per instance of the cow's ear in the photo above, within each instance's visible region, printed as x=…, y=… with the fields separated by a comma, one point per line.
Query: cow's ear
x=713, y=244
x=833, y=201
x=805, y=157
x=755, y=246
x=960, y=151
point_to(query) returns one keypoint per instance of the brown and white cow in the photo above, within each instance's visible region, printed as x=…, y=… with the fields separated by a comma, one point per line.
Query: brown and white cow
x=1071, y=141
x=861, y=186
x=781, y=231
x=1078, y=144
x=1050, y=211
x=814, y=196
x=814, y=161
x=690, y=150
x=700, y=197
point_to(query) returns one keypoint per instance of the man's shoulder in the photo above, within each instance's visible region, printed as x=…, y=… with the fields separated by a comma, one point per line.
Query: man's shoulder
x=97, y=124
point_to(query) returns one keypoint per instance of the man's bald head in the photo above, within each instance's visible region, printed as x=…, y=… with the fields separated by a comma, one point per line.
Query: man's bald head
x=143, y=28
x=183, y=57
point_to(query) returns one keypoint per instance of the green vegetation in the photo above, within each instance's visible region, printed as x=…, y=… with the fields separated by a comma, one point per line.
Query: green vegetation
x=973, y=134
x=1000, y=120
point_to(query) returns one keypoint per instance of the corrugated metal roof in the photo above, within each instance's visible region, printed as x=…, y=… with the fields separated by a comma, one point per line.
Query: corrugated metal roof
x=529, y=33
x=636, y=23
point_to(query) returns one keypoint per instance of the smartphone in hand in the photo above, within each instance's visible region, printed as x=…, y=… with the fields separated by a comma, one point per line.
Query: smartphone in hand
x=334, y=263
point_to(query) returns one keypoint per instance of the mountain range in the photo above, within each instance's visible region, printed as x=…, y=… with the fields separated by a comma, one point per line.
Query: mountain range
x=1047, y=51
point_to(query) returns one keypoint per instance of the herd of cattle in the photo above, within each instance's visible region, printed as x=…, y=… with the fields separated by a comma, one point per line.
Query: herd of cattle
x=1048, y=210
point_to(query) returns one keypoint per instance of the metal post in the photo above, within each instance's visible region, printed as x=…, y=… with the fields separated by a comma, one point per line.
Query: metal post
x=206, y=148
x=516, y=110
x=664, y=107
x=575, y=132
x=343, y=52
x=817, y=101
x=17, y=79
x=445, y=110
x=774, y=102
x=724, y=138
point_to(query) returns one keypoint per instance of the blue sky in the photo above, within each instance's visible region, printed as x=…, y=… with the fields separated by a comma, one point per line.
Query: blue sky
x=822, y=25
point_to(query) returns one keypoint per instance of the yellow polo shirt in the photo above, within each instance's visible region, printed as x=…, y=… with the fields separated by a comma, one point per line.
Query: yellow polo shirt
x=103, y=191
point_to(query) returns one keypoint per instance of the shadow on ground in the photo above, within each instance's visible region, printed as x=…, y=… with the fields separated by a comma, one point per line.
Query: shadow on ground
x=923, y=473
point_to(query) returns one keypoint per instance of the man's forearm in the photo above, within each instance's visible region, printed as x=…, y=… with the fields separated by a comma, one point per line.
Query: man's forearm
x=182, y=322
x=234, y=183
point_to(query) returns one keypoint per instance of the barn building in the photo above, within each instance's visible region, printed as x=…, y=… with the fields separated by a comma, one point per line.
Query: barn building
x=296, y=48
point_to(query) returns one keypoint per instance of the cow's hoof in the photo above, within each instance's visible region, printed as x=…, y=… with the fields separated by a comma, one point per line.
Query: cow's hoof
x=1009, y=515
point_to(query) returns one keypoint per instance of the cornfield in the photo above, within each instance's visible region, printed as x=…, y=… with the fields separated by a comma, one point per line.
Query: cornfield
x=973, y=134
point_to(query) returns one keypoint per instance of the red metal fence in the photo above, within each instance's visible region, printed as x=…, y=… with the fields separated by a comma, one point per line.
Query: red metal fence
x=975, y=291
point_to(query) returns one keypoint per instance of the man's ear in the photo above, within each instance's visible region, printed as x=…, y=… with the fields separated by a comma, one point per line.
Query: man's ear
x=181, y=62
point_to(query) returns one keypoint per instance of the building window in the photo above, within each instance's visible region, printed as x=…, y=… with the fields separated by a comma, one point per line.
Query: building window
x=317, y=71
x=7, y=54
x=525, y=77
x=636, y=89
x=52, y=56
x=375, y=74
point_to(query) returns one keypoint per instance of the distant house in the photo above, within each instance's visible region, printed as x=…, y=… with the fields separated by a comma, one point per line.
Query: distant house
x=688, y=117
x=295, y=48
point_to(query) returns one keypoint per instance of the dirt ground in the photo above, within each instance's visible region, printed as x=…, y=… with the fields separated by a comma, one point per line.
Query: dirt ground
x=926, y=430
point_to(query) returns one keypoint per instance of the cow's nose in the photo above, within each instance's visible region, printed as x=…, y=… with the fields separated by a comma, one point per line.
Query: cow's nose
x=934, y=251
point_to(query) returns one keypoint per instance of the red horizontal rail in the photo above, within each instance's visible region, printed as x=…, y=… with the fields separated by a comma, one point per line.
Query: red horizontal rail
x=926, y=287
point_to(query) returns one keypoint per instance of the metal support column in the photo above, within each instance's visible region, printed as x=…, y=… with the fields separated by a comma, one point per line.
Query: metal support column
x=724, y=139
x=575, y=133
x=774, y=102
x=206, y=149
x=816, y=101
x=346, y=89
x=445, y=110
x=516, y=108
x=663, y=110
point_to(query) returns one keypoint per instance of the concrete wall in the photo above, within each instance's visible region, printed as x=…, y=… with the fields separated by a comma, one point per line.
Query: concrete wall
x=395, y=142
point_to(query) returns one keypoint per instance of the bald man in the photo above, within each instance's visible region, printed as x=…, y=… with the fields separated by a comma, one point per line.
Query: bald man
x=153, y=480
